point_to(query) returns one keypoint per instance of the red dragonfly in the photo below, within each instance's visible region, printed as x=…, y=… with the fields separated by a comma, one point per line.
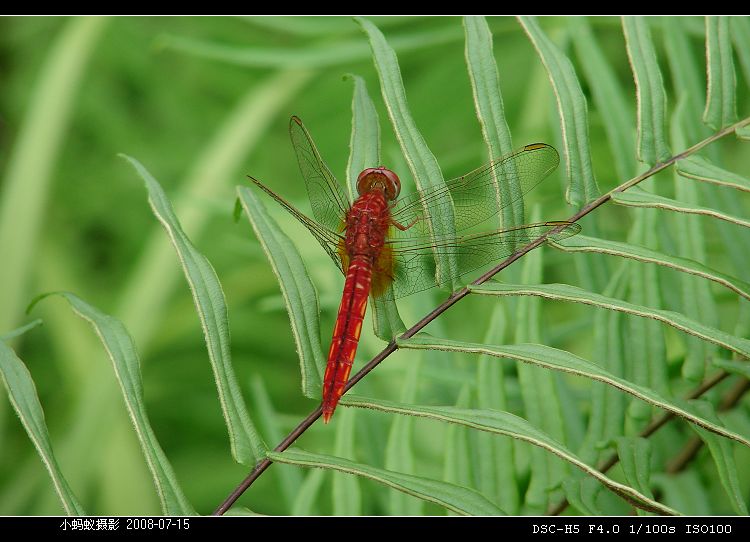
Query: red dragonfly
x=381, y=240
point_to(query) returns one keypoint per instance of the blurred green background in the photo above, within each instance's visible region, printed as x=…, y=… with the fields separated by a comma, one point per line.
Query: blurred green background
x=149, y=88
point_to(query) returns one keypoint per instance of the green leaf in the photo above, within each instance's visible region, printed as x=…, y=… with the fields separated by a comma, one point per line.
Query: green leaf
x=700, y=169
x=608, y=96
x=21, y=330
x=306, y=502
x=310, y=56
x=364, y=145
x=732, y=366
x=721, y=107
x=635, y=460
x=607, y=405
x=571, y=105
x=365, y=152
x=540, y=392
x=488, y=102
x=723, y=456
x=459, y=499
x=297, y=288
x=644, y=349
x=583, y=243
x=143, y=301
x=564, y=292
x=559, y=360
x=399, y=450
x=25, y=401
x=688, y=75
x=290, y=480
x=346, y=493
x=122, y=352
x=650, y=93
x=505, y=423
x=641, y=198
x=422, y=163
x=697, y=300
x=457, y=465
x=740, y=27
x=495, y=455
x=247, y=445
x=30, y=165
x=582, y=495
x=242, y=511
x=686, y=492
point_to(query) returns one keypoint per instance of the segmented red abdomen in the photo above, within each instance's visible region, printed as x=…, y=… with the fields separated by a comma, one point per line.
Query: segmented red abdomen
x=366, y=226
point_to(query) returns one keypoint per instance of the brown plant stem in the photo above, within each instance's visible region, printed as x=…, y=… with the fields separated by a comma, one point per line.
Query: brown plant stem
x=457, y=296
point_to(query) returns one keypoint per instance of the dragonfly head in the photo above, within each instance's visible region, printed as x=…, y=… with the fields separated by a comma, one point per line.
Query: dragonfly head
x=379, y=177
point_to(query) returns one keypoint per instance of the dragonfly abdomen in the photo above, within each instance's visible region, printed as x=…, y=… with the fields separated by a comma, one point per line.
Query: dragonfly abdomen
x=346, y=332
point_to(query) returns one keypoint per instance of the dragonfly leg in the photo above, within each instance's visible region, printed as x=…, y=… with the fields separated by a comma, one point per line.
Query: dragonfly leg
x=401, y=226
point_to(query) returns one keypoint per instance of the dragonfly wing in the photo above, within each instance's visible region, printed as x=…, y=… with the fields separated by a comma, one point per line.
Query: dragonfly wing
x=328, y=239
x=482, y=193
x=327, y=198
x=414, y=259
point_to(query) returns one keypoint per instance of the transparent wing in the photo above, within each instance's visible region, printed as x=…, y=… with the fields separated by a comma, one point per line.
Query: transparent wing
x=328, y=239
x=477, y=195
x=413, y=260
x=327, y=198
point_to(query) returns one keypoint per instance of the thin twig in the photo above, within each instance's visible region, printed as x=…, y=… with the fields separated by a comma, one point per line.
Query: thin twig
x=457, y=296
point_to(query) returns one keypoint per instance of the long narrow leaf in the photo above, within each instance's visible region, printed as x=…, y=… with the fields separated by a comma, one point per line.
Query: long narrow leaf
x=559, y=360
x=246, y=443
x=399, y=449
x=297, y=288
x=733, y=366
x=635, y=459
x=505, y=423
x=571, y=105
x=721, y=108
x=365, y=152
x=311, y=56
x=607, y=418
x=346, y=493
x=650, y=93
x=457, y=464
x=122, y=352
x=723, y=456
x=290, y=480
x=459, y=499
x=143, y=300
x=641, y=198
x=495, y=455
x=23, y=397
x=488, y=103
x=700, y=169
x=564, y=292
x=697, y=301
x=608, y=96
x=583, y=243
x=306, y=502
x=540, y=391
x=30, y=165
x=422, y=163
x=21, y=330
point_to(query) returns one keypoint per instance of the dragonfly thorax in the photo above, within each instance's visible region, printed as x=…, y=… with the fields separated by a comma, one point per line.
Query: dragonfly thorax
x=379, y=177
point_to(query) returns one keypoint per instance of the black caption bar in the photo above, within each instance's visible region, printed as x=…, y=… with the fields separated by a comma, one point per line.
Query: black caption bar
x=535, y=527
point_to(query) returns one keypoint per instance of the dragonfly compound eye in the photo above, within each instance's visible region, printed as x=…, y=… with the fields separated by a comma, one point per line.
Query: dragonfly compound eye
x=373, y=176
